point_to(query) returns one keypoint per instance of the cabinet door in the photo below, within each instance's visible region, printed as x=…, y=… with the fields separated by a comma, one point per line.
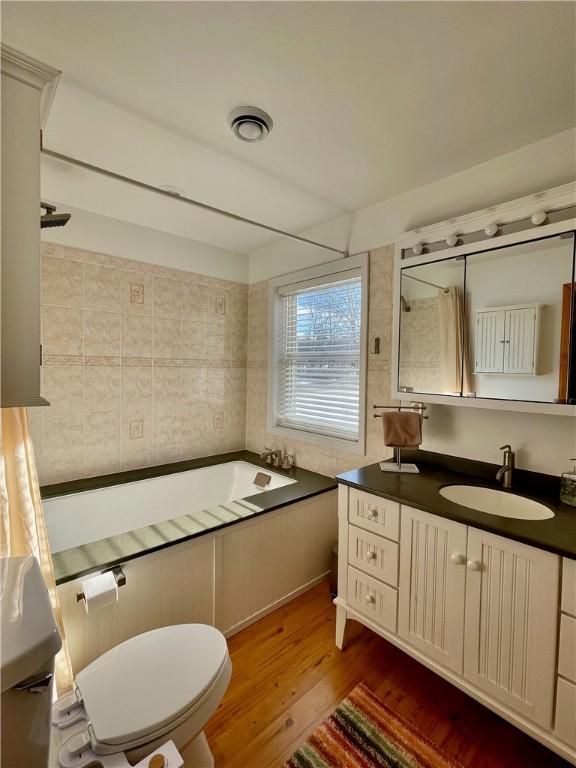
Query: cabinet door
x=490, y=342
x=520, y=341
x=511, y=623
x=432, y=586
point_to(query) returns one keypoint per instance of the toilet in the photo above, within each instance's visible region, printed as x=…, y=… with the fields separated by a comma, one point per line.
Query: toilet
x=160, y=686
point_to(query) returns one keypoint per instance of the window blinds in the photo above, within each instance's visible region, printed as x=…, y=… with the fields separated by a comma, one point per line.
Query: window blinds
x=318, y=356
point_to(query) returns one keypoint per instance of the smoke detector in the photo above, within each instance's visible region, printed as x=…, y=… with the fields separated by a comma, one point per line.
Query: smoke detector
x=250, y=123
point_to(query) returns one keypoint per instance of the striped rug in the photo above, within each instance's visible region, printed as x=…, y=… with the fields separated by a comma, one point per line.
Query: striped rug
x=364, y=733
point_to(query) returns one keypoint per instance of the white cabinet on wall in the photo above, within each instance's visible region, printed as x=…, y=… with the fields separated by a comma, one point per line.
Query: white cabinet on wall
x=27, y=91
x=507, y=339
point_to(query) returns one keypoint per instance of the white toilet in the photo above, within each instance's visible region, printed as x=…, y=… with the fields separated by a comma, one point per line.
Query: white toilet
x=150, y=696
x=159, y=686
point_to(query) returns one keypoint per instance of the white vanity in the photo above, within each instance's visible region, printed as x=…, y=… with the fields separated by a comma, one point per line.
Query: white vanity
x=495, y=617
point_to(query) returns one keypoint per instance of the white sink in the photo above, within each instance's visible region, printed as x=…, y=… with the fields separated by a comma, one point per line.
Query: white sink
x=494, y=502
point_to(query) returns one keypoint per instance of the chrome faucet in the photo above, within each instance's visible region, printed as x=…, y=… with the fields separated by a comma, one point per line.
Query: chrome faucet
x=504, y=474
x=273, y=458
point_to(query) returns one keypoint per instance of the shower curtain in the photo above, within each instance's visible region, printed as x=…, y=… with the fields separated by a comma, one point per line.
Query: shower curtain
x=455, y=376
x=22, y=526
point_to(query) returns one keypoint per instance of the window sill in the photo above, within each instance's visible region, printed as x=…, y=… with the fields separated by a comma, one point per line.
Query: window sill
x=335, y=443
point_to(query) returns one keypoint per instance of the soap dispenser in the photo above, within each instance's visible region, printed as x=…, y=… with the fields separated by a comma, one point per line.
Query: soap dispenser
x=568, y=487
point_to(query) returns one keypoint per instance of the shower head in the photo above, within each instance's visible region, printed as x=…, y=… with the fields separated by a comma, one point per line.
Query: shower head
x=51, y=218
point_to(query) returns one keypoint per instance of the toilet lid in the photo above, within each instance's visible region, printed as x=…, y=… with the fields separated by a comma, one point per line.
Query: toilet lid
x=147, y=682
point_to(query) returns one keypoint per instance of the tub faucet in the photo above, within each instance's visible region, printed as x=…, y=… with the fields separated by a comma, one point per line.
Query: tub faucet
x=504, y=474
x=274, y=458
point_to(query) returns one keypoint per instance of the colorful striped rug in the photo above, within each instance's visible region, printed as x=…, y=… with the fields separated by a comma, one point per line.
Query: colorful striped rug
x=364, y=733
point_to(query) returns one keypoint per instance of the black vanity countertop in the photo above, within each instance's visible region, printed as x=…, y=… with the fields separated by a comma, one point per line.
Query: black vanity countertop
x=94, y=556
x=556, y=534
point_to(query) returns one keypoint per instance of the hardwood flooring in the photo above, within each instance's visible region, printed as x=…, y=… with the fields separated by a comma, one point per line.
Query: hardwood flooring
x=288, y=676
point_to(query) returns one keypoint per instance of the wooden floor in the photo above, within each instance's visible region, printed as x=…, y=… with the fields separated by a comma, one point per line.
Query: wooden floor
x=288, y=676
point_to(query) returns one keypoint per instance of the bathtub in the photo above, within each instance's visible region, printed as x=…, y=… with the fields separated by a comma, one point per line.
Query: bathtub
x=207, y=497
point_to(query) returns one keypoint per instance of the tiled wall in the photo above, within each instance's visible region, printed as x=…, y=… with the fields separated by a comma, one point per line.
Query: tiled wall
x=142, y=365
x=319, y=458
x=420, y=347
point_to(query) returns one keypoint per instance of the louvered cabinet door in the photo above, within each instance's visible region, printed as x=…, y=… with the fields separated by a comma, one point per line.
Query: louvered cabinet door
x=520, y=341
x=511, y=623
x=490, y=342
x=432, y=586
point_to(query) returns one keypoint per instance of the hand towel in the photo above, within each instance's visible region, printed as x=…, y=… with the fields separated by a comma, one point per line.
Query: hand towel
x=402, y=429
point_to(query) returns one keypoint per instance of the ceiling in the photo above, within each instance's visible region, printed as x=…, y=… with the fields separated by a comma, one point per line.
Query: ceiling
x=369, y=100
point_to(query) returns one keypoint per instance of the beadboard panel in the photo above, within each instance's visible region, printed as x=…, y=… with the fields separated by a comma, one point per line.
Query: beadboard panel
x=174, y=586
x=511, y=624
x=228, y=579
x=267, y=560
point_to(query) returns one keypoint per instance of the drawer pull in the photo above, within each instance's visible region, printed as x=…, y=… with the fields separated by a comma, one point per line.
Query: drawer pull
x=371, y=599
x=373, y=514
x=371, y=555
x=474, y=565
x=457, y=558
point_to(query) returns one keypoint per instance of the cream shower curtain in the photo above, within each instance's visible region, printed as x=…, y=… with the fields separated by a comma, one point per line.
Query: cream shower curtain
x=455, y=376
x=22, y=527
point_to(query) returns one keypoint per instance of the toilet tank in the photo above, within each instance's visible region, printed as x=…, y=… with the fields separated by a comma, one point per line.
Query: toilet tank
x=30, y=641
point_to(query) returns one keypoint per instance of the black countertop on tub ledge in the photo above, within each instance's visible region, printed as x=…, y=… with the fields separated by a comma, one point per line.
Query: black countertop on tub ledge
x=98, y=555
x=556, y=534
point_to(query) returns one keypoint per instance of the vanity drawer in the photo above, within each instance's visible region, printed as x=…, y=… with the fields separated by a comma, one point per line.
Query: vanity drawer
x=565, y=725
x=373, y=554
x=372, y=598
x=374, y=514
x=569, y=586
x=567, y=649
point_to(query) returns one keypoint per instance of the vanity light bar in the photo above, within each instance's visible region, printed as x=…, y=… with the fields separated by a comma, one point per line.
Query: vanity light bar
x=520, y=225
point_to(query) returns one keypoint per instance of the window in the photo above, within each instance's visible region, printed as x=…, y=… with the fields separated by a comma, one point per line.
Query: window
x=318, y=361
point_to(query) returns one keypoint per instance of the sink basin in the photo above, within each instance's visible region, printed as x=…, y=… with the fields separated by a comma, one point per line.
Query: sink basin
x=494, y=502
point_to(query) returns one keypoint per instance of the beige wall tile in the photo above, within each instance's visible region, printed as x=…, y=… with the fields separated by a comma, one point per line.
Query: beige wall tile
x=197, y=339
x=167, y=297
x=63, y=432
x=137, y=428
x=63, y=386
x=102, y=387
x=167, y=337
x=167, y=384
x=102, y=287
x=102, y=333
x=195, y=301
x=61, y=282
x=136, y=385
x=194, y=384
x=102, y=430
x=62, y=331
x=137, y=336
x=137, y=293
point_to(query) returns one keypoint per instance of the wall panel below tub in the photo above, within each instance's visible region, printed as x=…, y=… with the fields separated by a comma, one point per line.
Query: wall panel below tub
x=229, y=578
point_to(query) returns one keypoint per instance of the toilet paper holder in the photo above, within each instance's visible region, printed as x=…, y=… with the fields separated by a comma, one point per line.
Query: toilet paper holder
x=119, y=575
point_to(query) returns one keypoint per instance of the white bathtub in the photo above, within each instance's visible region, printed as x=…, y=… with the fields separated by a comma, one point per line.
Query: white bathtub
x=81, y=518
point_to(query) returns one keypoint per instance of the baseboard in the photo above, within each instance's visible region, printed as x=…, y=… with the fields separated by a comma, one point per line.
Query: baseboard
x=273, y=606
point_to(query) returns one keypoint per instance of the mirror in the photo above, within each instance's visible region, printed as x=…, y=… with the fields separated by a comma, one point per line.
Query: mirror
x=431, y=328
x=518, y=303
x=494, y=325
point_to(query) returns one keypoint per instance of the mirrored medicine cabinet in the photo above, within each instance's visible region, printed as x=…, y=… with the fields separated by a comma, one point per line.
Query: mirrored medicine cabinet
x=491, y=326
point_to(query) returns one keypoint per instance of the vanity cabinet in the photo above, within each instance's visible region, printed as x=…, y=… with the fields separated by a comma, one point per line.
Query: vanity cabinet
x=479, y=609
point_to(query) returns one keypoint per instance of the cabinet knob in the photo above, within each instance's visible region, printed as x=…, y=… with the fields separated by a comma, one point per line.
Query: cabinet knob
x=373, y=514
x=371, y=555
x=457, y=558
x=371, y=599
x=474, y=565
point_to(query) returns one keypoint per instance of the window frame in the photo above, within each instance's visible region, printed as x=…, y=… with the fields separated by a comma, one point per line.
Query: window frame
x=327, y=270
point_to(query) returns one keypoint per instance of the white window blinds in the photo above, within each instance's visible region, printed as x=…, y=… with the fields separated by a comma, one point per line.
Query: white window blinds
x=318, y=355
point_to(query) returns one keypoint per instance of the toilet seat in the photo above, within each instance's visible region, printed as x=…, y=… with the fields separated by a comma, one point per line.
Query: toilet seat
x=146, y=686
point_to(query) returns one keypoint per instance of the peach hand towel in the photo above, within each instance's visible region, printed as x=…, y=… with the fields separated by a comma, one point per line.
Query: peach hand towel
x=402, y=429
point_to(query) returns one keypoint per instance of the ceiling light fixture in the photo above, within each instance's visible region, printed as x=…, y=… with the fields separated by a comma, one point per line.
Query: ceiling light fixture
x=250, y=123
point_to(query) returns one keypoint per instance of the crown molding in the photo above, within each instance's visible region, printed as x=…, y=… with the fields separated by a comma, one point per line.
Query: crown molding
x=31, y=72
x=514, y=210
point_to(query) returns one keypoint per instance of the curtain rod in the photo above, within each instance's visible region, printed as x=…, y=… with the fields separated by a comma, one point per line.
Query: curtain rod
x=419, y=280
x=184, y=199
